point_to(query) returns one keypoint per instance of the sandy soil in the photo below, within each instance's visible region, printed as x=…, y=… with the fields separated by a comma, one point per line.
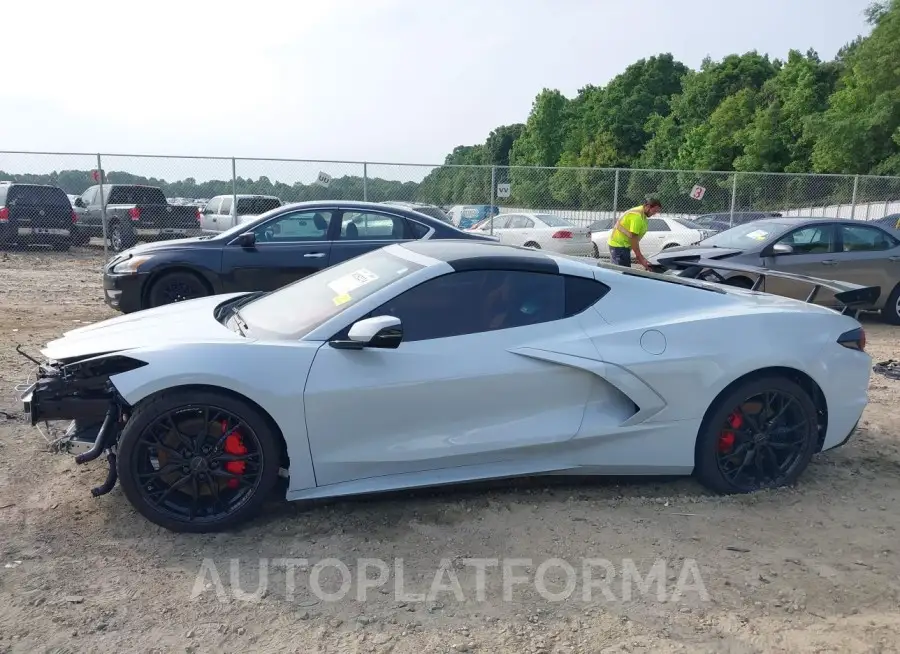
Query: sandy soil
x=811, y=569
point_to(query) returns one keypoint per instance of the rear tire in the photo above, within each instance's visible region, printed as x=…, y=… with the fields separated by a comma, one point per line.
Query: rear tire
x=148, y=446
x=891, y=311
x=725, y=447
x=118, y=239
x=596, y=251
x=176, y=286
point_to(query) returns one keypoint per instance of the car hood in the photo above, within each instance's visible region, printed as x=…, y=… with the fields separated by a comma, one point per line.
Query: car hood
x=158, y=246
x=190, y=321
x=693, y=252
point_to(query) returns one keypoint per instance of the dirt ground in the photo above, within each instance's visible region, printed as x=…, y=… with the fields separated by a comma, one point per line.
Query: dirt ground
x=811, y=569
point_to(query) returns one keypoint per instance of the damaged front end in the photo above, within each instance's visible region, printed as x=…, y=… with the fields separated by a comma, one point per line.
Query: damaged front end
x=79, y=390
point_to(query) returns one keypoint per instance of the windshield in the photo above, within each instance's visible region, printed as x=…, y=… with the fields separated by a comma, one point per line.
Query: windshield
x=434, y=212
x=553, y=221
x=746, y=236
x=296, y=309
x=243, y=227
x=687, y=223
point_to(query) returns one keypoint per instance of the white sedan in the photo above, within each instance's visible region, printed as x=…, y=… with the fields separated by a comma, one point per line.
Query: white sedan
x=662, y=233
x=438, y=362
x=541, y=231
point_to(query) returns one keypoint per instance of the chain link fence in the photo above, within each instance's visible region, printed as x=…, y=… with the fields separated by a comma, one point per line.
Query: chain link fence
x=146, y=198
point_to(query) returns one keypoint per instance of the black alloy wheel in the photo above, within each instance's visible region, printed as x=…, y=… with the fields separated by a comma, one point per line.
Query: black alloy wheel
x=761, y=436
x=197, y=466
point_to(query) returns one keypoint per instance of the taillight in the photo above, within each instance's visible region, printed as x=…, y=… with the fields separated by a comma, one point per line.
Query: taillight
x=198, y=214
x=4, y=215
x=855, y=339
x=135, y=213
x=74, y=217
x=562, y=234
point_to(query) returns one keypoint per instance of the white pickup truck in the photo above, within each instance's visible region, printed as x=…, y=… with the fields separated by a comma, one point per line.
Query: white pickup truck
x=221, y=214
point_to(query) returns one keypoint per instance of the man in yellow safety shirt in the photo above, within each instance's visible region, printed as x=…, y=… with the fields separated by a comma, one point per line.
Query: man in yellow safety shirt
x=628, y=232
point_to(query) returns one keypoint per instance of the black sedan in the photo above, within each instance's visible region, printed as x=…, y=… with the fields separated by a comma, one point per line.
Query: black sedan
x=265, y=253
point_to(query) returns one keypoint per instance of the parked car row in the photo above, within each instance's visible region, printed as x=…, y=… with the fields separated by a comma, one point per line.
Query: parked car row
x=264, y=253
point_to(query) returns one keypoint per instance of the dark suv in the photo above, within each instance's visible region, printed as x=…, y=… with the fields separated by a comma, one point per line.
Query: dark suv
x=35, y=214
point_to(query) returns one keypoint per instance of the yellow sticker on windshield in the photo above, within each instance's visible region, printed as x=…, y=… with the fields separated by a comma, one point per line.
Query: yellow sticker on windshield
x=343, y=298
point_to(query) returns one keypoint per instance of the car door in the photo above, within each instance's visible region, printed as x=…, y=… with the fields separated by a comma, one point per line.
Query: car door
x=209, y=220
x=814, y=253
x=868, y=256
x=517, y=230
x=455, y=392
x=88, y=215
x=364, y=231
x=288, y=247
x=657, y=231
x=225, y=214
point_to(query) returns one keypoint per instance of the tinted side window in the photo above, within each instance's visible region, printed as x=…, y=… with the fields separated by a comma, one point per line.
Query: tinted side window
x=866, y=239
x=372, y=227
x=657, y=225
x=582, y=293
x=89, y=197
x=417, y=230
x=295, y=227
x=477, y=301
x=213, y=206
x=815, y=239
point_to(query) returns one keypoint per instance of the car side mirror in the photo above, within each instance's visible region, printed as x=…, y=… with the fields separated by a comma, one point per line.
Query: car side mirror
x=780, y=248
x=384, y=332
x=247, y=240
x=79, y=203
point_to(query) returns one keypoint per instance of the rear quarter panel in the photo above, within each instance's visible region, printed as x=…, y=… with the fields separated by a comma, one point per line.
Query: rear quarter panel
x=708, y=340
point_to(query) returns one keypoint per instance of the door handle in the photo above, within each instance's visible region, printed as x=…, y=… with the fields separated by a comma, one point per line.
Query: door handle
x=829, y=262
x=314, y=255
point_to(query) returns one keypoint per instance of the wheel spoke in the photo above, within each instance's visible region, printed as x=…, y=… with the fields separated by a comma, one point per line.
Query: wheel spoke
x=178, y=484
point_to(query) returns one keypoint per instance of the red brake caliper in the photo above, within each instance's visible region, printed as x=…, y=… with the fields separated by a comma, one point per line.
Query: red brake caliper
x=726, y=438
x=234, y=446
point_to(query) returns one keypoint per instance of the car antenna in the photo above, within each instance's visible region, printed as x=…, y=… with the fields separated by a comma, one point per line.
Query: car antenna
x=26, y=355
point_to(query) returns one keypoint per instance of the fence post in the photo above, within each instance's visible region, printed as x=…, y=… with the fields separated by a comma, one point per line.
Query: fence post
x=100, y=177
x=853, y=200
x=493, y=191
x=365, y=182
x=733, y=199
x=234, y=188
x=616, y=194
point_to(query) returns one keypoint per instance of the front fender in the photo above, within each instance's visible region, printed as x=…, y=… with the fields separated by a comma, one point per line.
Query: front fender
x=272, y=375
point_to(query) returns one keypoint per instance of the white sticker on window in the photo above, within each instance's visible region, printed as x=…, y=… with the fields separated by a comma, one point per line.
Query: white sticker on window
x=758, y=235
x=352, y=281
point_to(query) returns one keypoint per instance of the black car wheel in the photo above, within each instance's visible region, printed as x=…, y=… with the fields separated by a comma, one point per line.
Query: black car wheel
x=197, y=461
x=176, y=287
x=760, y=435
x=118, y=241
x=596, y=251
x=891, y=311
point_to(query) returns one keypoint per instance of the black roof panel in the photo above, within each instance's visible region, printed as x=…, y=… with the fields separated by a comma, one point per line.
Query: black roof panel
x=482, y=255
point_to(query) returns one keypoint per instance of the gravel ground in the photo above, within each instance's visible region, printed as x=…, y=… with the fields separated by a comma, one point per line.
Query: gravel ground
x=811, y=569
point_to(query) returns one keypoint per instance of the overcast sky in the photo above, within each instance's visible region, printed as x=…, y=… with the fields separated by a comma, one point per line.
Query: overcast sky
x=376, y=80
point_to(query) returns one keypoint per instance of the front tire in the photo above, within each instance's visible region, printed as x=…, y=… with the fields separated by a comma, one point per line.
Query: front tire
x=891, y=311
x=761, y=434
x=197, y=461
x=532, y=245
x=176, y=286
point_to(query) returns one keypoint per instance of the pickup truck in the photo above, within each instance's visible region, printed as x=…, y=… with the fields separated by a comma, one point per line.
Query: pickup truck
x=133, y=213
x=220, y=214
